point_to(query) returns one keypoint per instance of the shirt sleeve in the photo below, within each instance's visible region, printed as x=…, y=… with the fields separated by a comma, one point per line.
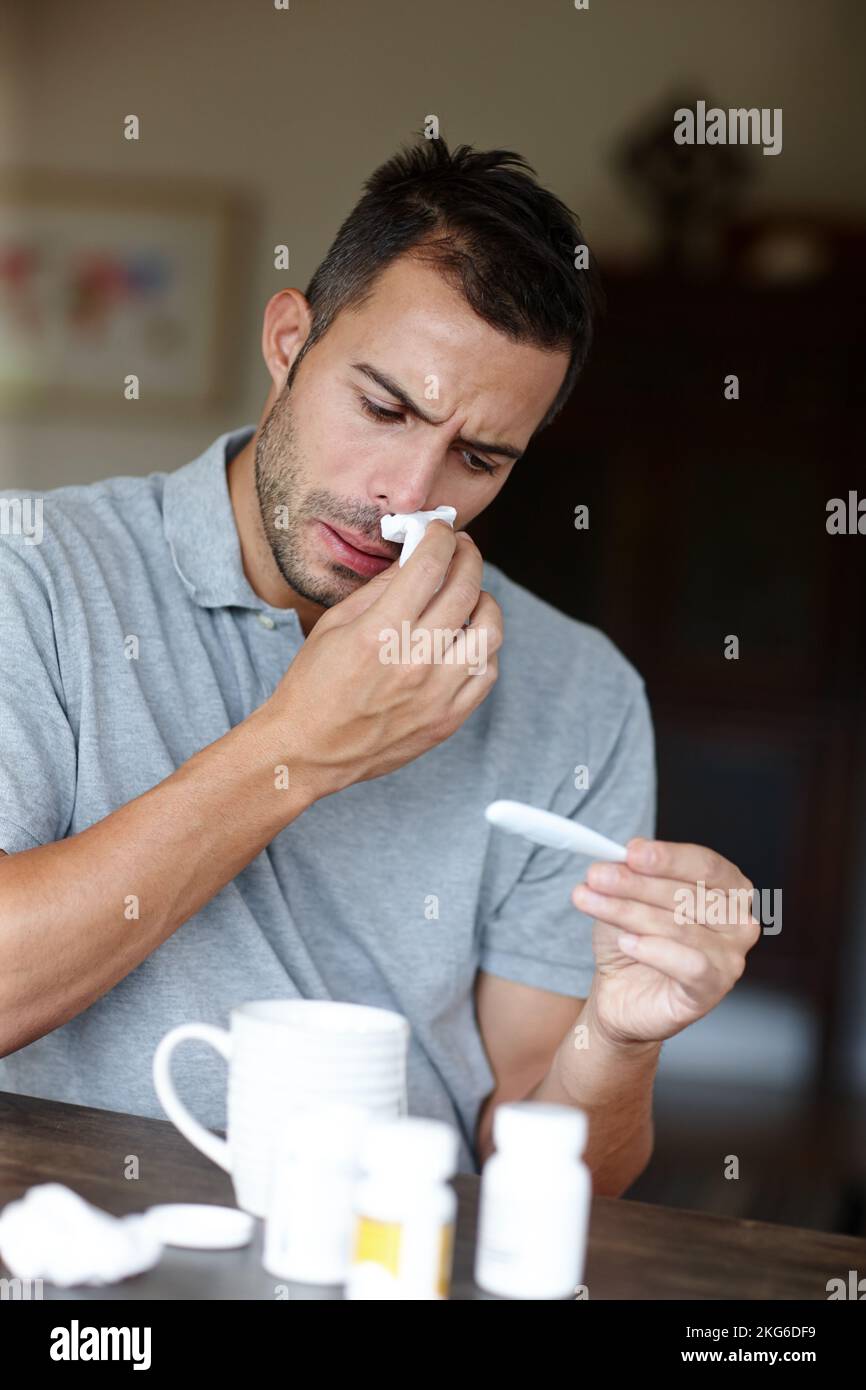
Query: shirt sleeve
x=38, y=758
x=537, y=936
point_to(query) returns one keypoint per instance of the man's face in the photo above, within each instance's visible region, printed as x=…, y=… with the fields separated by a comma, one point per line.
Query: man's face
x=329, y=465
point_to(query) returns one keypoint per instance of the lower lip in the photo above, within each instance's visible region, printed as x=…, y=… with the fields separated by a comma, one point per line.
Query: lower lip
x=357, y=560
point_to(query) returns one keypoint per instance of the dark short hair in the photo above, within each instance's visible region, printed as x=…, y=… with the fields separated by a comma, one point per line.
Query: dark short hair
x=504, y=241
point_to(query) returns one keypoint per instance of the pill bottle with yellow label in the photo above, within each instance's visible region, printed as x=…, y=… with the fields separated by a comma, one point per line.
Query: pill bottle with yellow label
x=405, y=1211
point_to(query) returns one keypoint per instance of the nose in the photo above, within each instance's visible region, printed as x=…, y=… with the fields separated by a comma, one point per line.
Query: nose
x=403, y=484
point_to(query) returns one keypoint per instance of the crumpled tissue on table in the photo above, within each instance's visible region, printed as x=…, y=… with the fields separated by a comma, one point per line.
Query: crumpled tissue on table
x=52, y=1233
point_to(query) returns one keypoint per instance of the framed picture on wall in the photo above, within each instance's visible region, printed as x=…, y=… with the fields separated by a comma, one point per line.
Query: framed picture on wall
x=102, y=280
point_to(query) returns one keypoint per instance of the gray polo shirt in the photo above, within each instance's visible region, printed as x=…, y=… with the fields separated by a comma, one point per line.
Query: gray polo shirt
x=394, y=892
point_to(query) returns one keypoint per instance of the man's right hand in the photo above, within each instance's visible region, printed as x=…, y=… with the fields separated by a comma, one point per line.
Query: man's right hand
x=362, y=716
x=339, y=715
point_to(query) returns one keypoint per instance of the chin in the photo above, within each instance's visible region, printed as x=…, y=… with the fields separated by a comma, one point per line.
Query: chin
x=328, y=584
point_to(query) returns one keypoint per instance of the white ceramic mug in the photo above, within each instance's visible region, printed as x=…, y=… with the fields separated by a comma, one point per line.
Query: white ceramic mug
x=282, y=1053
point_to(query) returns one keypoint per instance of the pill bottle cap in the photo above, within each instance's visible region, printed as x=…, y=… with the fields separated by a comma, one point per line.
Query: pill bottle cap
x=540, y=1130
x=411, y=1147
x=197, y=1226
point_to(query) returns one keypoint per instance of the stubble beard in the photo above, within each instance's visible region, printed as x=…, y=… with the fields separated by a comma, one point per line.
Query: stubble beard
x=286, y=507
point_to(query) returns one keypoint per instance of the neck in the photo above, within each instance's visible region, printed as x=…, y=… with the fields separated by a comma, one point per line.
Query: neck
x=260, y=567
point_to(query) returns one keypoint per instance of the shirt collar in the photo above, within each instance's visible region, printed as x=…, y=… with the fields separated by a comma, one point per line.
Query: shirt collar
x=199, y=525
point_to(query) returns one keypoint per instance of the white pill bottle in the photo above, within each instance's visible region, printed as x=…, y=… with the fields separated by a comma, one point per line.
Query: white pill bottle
x=536, y=1193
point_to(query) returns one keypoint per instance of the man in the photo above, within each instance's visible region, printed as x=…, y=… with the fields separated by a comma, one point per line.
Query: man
x=214, y=786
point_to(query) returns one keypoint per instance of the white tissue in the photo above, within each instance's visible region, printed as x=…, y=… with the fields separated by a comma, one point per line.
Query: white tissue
x=52, y=1233
x=409, y=527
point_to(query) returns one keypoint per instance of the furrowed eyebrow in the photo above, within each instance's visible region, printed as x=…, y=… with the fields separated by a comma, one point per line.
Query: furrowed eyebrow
x=389, y=385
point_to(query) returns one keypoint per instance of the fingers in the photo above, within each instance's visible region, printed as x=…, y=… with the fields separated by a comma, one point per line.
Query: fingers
x=438, y=593
x=470, y=665
x=486, y=618
x=473, y=651
x=693, y=970
x=689, y=902
x=464, y=620
x=359, y=600
x=627, y=914
x=688, y=863
x=411, y=588
x=458, y=598
x=476, y=687
x=618, y=880
x=638, y=903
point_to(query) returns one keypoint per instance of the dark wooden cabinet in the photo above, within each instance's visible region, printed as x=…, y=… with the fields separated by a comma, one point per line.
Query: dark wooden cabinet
x=708, y=518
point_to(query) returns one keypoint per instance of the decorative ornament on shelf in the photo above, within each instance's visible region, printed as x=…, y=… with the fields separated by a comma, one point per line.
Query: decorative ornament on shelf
x=692, y=191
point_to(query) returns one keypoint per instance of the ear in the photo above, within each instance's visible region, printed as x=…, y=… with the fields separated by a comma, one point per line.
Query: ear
x=285, y=329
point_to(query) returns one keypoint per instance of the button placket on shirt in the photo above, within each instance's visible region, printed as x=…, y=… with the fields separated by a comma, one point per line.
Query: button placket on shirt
x=272, y=662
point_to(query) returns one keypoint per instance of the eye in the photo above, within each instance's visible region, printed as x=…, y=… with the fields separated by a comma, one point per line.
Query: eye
x=378, y=412
x=472, y=462
x=476, y=464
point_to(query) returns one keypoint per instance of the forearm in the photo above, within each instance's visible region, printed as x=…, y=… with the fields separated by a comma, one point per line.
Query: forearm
x=613, y=1084
x=78, y=915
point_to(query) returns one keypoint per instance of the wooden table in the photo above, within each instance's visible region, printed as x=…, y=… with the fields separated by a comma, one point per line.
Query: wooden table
x=636, y=1251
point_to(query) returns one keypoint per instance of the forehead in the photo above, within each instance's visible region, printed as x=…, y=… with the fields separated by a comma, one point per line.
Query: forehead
x=415, y=323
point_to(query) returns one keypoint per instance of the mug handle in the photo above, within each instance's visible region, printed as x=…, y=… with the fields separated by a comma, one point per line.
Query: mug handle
x=210, y=1144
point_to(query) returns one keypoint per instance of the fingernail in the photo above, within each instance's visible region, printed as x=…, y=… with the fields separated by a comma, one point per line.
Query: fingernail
x=627, y=943
x=603, y=875
x=643, y=852
x=592, y=900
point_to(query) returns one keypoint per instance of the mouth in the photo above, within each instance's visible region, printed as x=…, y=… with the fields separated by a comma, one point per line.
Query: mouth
x=354, y=551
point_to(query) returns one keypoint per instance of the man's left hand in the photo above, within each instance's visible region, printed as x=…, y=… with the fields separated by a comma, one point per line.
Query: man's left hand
x=667, y=951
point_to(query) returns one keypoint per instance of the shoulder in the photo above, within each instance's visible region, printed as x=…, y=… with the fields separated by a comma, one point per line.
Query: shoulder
x=58, y=533
x=550, y=652
x=567, y=699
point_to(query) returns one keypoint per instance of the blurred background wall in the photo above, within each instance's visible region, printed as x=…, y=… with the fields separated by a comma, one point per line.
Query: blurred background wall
x=707, y=516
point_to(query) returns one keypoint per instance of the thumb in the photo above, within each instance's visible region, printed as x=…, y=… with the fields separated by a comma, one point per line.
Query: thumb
x=363, y=597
